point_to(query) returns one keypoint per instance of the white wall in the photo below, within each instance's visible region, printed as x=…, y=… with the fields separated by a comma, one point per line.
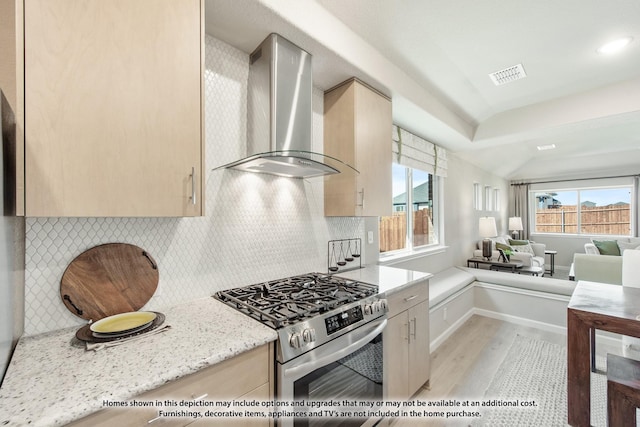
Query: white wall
x=566, y=246
x=460, y=218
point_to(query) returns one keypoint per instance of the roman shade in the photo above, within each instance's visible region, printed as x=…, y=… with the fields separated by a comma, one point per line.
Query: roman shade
x=414, y=152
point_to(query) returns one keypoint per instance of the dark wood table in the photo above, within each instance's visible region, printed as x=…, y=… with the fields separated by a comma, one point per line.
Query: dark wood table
x=594, y=306
x=512, y=265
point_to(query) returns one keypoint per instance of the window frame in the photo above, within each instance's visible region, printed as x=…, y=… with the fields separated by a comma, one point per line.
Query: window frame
x=436, y=212
x=578, y=189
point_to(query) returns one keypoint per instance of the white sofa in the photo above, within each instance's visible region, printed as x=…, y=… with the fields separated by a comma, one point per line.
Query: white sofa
x=624, y=243
x=528, y=260
x=598, y=268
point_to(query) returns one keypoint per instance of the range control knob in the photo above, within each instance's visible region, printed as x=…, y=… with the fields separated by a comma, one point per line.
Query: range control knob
x=368, y=309
x=384, y=306
x=295, y=340
x=309, y=335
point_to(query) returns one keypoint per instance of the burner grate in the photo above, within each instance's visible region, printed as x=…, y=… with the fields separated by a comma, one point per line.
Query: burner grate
x=287, y=301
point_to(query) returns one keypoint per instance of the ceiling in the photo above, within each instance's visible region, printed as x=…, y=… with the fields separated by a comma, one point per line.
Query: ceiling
x=433, y=58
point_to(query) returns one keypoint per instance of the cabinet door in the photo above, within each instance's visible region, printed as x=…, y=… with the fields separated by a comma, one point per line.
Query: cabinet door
x=374, y=155
x=396, y=355
x=113, y=107
x=419, y=353
x=357, y=124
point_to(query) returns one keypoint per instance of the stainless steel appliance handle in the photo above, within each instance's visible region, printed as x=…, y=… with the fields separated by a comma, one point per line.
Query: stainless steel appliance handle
x=315, y=363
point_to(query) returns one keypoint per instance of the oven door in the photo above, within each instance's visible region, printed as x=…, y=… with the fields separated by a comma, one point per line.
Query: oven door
x=346, y=368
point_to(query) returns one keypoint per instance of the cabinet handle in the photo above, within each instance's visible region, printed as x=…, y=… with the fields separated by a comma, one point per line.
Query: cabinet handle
x=362, y=202
x=407, y=299
x=414, y=327
x=193, y=186
x=408, y=338
x=195, y=399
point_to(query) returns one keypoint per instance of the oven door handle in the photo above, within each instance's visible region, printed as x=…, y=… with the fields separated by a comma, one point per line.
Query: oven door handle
x=303, y=369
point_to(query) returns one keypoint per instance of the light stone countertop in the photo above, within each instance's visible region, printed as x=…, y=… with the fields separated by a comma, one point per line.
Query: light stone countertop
x=388, y=279
x=50, y=382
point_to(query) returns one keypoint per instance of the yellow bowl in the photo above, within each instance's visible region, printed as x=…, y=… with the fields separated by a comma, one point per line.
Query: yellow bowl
x=123, y=322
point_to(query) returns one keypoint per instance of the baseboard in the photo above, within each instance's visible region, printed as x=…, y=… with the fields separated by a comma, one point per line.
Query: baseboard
x=450, y=330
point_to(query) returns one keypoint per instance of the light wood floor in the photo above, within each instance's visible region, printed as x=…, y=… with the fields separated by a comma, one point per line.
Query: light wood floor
x=464, y=365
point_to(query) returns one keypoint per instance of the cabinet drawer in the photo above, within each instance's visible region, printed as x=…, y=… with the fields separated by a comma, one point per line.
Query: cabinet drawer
x=407, y=298
x=224, y=381
x=261, y=393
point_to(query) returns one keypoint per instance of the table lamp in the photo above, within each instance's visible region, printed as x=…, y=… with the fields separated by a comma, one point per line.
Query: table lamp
x=487, y=228
x=515, y=225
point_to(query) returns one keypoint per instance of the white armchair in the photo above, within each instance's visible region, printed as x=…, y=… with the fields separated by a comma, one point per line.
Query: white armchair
x=631, y=277
x=528, y=260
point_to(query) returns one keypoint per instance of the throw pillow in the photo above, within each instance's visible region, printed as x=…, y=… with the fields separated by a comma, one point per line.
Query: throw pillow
x=623, y=246
x=503, y=247
x=521, y=246
x=607, y=247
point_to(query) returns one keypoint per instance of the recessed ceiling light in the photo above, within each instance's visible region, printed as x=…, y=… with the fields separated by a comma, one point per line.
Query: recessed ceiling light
x=546, y=147
x=614, y=46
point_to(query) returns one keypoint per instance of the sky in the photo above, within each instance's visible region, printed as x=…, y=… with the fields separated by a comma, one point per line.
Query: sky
x=601, y=197
x=399, y=179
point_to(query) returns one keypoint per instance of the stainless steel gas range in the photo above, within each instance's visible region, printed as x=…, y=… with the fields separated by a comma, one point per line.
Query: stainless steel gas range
x=330, y=338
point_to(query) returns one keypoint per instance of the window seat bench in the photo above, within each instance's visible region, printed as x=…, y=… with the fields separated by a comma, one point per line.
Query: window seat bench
x=457, y=293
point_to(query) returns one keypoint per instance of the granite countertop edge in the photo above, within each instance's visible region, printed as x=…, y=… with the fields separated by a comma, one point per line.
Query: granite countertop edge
x=388, y=279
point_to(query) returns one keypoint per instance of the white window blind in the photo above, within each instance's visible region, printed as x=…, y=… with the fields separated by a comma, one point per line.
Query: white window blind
x=412, y=151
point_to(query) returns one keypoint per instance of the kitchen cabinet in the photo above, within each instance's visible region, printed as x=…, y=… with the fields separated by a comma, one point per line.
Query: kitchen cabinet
x=407, y=358
x=113, y=107
x=246, y=376
x=11, y=99
x=357, y=130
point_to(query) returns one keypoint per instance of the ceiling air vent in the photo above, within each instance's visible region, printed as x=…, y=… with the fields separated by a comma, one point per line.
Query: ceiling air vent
x=507, y=75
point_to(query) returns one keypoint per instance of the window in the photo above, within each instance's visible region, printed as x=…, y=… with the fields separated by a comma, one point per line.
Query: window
x=413, y=191
x=477, y=197
x=592, y=211
x=496, y=200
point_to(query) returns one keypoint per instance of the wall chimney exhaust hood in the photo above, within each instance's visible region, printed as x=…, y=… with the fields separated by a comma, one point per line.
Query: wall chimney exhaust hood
x=279, y=114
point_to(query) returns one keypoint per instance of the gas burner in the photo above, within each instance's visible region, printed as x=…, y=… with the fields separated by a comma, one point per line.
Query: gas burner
x=291, y=300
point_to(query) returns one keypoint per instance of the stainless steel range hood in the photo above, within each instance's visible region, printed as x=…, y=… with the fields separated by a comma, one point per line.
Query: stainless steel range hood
x=279, y=114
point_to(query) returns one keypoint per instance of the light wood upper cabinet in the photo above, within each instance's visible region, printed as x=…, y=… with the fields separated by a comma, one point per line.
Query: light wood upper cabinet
x=12, y=104
x=357, y=130
x=113, y=107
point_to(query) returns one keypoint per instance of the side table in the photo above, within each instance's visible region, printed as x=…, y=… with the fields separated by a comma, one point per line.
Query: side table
x=552, y=259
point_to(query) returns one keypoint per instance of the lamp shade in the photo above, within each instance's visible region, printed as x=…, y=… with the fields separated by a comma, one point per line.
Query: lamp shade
x=487, y=227
x=515, y=223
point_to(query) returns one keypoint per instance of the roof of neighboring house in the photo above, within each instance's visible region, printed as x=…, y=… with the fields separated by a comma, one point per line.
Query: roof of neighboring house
x=420, y=195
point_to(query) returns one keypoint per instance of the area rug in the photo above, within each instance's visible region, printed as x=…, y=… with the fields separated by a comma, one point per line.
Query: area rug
x=536, y=371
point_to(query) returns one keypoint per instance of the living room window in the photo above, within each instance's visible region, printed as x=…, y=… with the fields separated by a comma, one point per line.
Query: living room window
x=592, y=211
x=414, y=221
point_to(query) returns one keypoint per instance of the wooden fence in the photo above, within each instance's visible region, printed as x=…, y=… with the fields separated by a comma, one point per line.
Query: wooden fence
x=614, y=219
x=393, y=228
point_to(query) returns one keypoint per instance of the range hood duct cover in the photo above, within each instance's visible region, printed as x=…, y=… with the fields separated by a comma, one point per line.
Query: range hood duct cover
x=279, y=114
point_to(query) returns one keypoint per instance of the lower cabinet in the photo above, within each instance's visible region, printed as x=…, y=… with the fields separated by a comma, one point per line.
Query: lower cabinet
x=247, y=376
x=406, y=342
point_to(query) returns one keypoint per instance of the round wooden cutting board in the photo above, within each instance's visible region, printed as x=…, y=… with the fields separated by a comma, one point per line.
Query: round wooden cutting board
x=109, y=279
